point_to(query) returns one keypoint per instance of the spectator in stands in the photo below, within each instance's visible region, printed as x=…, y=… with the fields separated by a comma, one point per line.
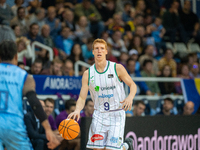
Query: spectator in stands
x=36, y=67
x=149, y=55
x=52, y=21
x=32, y=4
x=38, y=17
x=49, y=107
x=188, y=109
x=167, y=59
x=123, y=59
x=17, y=31
x=82, y=29
x=172, y=24
x=190, y=21
x=147, y=72
x=133, y=54
x=167, y=107
x=109, y=55
x=45, y=33
x=88, y=109
x=194, y=70
x=138, y=109
x=35, y=130
x=126, y=15
x=117, y=25
x=157, y=31
x=21, y=21
x=24, y=50
x=87, y=9
x=141, y=86
x=68, y=19
x=6, y=14
x=117, y=43
x=166, y=87
x=64, y=43
x=68, y=68
x=140, y=7
x=137, y=43
x=153, y=7
x=6, y=33
x=87, y=49
x=21, y=65
x=55, y=68
x=18, y=3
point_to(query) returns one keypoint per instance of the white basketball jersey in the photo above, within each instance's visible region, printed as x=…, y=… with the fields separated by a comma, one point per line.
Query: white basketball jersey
x=106, y=90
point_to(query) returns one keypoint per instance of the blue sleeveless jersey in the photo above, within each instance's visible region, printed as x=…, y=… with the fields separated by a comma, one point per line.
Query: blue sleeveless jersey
x=12, y=80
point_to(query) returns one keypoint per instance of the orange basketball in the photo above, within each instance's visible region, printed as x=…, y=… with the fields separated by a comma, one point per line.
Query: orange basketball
x=69, y=129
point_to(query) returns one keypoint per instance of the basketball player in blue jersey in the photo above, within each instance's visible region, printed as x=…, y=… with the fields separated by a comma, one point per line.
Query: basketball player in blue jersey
x=104, y=80
x=14, y=83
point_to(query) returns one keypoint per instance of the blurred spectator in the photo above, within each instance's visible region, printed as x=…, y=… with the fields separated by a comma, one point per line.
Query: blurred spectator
x=45, y=33
x=190, y=21
x=38, y=17
x=117, y=25
x=36, y=67
x=6, y=14
x=32, y=4
x=52, y=21
x=68, y=68
x=17, y=31
x=24, y=50
x=21, y=21
x=123, y=58
x=88, y=109
x=49, y=107
x=131, y=25
x=140, y=7
x=148, y=19
x=133, y=54
x=87, y=49
x=138, y=109
x=188, y=108
x=55, y=68
x=149, y=55
x=126, y=16
x=104, y=36
x=167, y=107
x=157, y=31
x=6, y=33
x=137, y=43
x=109, y=55
x=35, y=130
x=64, y=43
x=167, y=59
x=194, y=70
x=68, y=19
x=82, y=29
x=147, y=72
x=21, y=65
x=153, y=7
x=172, y=24
x=76, y=55
x=18, y=3
x=141, y=86
x=166, y=87
x=190, y=60
x=117, y=43
x=87, y=9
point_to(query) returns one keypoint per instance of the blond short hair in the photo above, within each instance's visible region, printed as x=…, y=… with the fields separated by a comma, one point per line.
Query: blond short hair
x=99, y=41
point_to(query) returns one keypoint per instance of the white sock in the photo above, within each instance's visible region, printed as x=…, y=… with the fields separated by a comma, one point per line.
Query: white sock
x=126, y=146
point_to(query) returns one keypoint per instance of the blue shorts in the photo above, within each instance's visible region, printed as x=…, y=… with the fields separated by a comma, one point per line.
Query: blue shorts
x=13, y=134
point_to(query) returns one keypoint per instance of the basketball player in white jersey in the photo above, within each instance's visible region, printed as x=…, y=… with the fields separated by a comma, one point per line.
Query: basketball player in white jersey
x=104, y=80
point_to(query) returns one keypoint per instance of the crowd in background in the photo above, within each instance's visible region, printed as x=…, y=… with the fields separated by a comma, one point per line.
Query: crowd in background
x=136, y=33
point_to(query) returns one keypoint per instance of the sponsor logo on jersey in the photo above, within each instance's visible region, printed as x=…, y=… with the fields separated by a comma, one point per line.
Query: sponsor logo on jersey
x=96, y=137
x=96, y=88
x=108, y=88
x=110, y=75
x=106, y=96
x=119, y=141
x=114, y=140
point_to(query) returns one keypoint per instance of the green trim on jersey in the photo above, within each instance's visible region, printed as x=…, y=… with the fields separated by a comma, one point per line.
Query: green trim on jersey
x=104, y=71
x=116, y=72
x=89, y=76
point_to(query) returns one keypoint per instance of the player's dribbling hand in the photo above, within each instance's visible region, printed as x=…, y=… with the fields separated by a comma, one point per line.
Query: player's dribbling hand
x=74, y=115
x=127, y=104
x=53, y=142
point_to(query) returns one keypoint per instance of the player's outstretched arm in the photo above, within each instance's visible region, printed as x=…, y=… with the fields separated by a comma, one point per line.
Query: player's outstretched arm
x=82, y=97
x=124, y=76
x=29, y=91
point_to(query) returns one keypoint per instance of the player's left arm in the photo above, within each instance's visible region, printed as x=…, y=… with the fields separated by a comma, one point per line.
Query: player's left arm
x=124, y=76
